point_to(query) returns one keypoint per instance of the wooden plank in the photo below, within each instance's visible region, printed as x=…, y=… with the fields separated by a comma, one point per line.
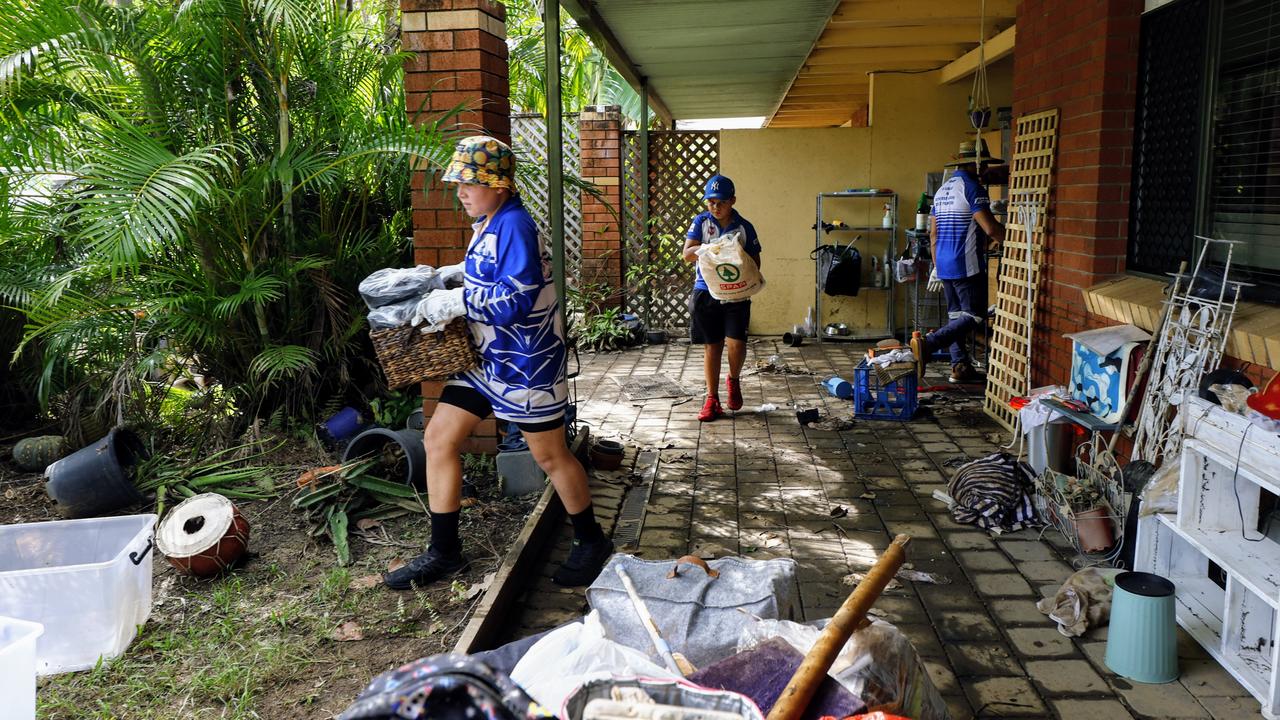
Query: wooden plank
x=897, y=13
x=482, y=630
x=884, y=56
x=965, y=65
x=843, y=36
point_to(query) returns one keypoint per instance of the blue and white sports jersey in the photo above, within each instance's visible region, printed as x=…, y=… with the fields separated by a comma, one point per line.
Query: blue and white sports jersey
x=704, y=228
x=961, y=244
x=514, y=319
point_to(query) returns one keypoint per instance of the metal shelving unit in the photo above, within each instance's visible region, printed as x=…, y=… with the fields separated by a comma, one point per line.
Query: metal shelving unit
x=892, y=230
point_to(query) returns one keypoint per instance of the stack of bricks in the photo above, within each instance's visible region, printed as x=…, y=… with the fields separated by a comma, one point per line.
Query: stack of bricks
x=459, y=60
x=1081, y=58
x=600, y=140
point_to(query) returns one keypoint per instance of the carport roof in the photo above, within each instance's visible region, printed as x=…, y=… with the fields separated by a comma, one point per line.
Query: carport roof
x=799, y=63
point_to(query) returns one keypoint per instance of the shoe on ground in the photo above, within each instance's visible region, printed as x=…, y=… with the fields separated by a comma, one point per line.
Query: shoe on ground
x=584, y=563
x=711, y=410
x=920, y=348
x=734, y=386
x=962, y=373
x=425, y=569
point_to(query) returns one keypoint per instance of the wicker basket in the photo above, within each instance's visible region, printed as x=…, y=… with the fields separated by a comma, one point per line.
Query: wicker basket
x=409, y=356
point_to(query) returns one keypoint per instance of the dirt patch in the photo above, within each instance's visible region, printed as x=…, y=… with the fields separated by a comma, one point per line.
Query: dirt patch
x=263, y=641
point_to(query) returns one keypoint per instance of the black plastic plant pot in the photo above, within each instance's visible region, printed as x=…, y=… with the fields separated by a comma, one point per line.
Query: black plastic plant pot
x=609, y=447
x=97, y=479
x=400, y=451
x=656, y=337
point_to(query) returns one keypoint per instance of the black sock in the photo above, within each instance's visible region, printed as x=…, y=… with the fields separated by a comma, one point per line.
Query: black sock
x=444, y=532
x=585, y=527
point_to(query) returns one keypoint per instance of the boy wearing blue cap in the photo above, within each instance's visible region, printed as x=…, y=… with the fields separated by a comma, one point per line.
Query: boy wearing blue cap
x=712, y=323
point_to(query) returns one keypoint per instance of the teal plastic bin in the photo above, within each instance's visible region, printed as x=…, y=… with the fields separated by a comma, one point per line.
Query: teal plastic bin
x=1142, y=642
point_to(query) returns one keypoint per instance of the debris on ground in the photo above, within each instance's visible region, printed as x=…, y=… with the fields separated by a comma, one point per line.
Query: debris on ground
x=776, y=365
x=832, y=424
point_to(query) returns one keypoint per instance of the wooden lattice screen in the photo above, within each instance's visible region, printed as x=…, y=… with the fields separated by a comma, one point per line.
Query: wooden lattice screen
x=529, y=141
x=1009, y=371
x=680, y=163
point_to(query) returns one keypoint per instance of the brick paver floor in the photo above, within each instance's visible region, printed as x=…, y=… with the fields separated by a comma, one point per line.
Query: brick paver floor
x=761, y=485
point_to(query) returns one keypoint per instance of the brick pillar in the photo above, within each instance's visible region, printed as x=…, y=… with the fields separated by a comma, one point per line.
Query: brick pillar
x=600, y=141
x=1081, y=58
x=460, y=58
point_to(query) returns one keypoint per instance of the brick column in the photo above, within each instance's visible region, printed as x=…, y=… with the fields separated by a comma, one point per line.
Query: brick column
x=460, y=58
x=600, y=141
x=1081, y=58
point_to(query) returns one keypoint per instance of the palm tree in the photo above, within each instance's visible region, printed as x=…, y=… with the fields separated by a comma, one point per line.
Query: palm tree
x=587, y=77
x=200, y=183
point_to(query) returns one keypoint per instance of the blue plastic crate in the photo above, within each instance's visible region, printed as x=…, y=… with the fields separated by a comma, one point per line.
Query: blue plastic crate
x=892, y=401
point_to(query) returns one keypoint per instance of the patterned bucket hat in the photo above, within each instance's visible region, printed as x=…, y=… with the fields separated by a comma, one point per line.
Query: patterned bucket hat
x=482, y=160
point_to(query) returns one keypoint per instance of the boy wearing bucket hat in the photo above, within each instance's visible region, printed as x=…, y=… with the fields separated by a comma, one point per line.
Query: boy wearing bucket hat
x=510, y=303
x=714, y=324
x=960, y=225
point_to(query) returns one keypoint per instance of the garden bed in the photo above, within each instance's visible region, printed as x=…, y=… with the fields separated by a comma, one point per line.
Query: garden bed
x=287, y=634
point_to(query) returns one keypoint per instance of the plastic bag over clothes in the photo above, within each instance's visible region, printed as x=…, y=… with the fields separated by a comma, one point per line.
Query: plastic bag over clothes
x=730, y=273
x=570, y=656
x=698, y=615
x=1083, y=601
x=390, y=285
x=393, y=315
x=1160, y=495
x=878, y=664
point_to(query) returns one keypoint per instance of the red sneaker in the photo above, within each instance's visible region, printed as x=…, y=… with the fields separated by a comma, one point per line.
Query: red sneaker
x=711, y=409
x=735, y=392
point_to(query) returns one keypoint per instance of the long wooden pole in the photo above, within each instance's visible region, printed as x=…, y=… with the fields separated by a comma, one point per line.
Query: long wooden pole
x=795, y=698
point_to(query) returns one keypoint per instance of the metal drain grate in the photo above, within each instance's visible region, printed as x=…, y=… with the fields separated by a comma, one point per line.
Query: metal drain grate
x=626, y=531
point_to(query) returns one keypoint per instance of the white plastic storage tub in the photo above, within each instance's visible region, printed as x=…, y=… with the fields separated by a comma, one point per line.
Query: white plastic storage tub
x=18, y=667
x=87, y=581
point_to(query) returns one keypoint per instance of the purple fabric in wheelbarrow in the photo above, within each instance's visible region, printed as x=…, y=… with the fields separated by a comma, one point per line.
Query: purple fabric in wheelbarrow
x=762, y=673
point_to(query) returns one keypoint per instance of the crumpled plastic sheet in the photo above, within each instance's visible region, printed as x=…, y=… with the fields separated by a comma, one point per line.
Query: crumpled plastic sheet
x=1083, y=601
x=570, y=656
x=1161, y=492
x=391, y=285
x=878, y=664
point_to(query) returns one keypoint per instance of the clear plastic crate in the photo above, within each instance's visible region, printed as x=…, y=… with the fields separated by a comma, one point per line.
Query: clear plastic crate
x=18, y=667
x=87, y=581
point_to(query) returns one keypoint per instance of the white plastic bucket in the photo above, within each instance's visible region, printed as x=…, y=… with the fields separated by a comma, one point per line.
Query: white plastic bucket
x=18, y=667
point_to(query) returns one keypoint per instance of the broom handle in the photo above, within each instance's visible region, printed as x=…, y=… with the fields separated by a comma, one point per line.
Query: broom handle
x=1143, y=366
x=795, y=698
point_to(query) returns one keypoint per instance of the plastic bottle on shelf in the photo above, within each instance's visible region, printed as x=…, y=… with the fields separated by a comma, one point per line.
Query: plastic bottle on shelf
x=888, y=216
x=877, y=274
x=885, y=269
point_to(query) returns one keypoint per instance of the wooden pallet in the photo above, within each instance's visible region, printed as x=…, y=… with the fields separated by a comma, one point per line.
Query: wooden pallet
x=1030, y=178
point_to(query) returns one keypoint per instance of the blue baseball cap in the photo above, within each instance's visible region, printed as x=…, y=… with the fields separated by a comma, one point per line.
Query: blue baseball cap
x=719, y=187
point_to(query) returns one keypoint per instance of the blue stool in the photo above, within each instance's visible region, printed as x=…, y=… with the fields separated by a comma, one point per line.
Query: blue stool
x=1142, y=642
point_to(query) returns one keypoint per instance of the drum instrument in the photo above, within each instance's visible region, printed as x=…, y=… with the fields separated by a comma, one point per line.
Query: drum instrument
x=203, y=536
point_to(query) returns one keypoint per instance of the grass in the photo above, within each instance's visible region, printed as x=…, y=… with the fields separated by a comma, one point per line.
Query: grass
x=260, y=642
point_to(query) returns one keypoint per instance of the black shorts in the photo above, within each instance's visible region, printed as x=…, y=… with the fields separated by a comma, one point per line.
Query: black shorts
x=711, y=321
x=470, y=399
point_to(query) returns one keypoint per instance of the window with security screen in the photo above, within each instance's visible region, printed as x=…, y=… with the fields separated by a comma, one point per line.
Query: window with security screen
x=1206, y=155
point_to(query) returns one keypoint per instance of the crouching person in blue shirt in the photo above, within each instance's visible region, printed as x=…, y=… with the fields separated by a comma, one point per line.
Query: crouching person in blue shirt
x=960, y=225
x=510, y=304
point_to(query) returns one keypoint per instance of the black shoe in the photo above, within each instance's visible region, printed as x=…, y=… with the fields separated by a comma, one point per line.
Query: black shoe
x=962, y=373
x=425, y=569
x=584, y=563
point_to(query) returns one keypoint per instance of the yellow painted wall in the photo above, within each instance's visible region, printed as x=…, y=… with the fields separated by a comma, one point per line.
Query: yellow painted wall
x=916, y=126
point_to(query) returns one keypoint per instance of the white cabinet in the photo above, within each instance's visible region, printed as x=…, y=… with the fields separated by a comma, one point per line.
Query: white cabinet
x=1227, y=573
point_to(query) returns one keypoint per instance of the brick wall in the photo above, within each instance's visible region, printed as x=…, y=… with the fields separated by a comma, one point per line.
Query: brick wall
x=459, y=59
x=1082, y=58
x=600, y=139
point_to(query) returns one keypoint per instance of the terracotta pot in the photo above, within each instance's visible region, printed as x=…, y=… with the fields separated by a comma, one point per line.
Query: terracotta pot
x=1093, y=527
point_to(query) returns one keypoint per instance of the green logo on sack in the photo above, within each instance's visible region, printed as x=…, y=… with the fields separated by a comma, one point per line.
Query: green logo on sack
x=727, y=272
